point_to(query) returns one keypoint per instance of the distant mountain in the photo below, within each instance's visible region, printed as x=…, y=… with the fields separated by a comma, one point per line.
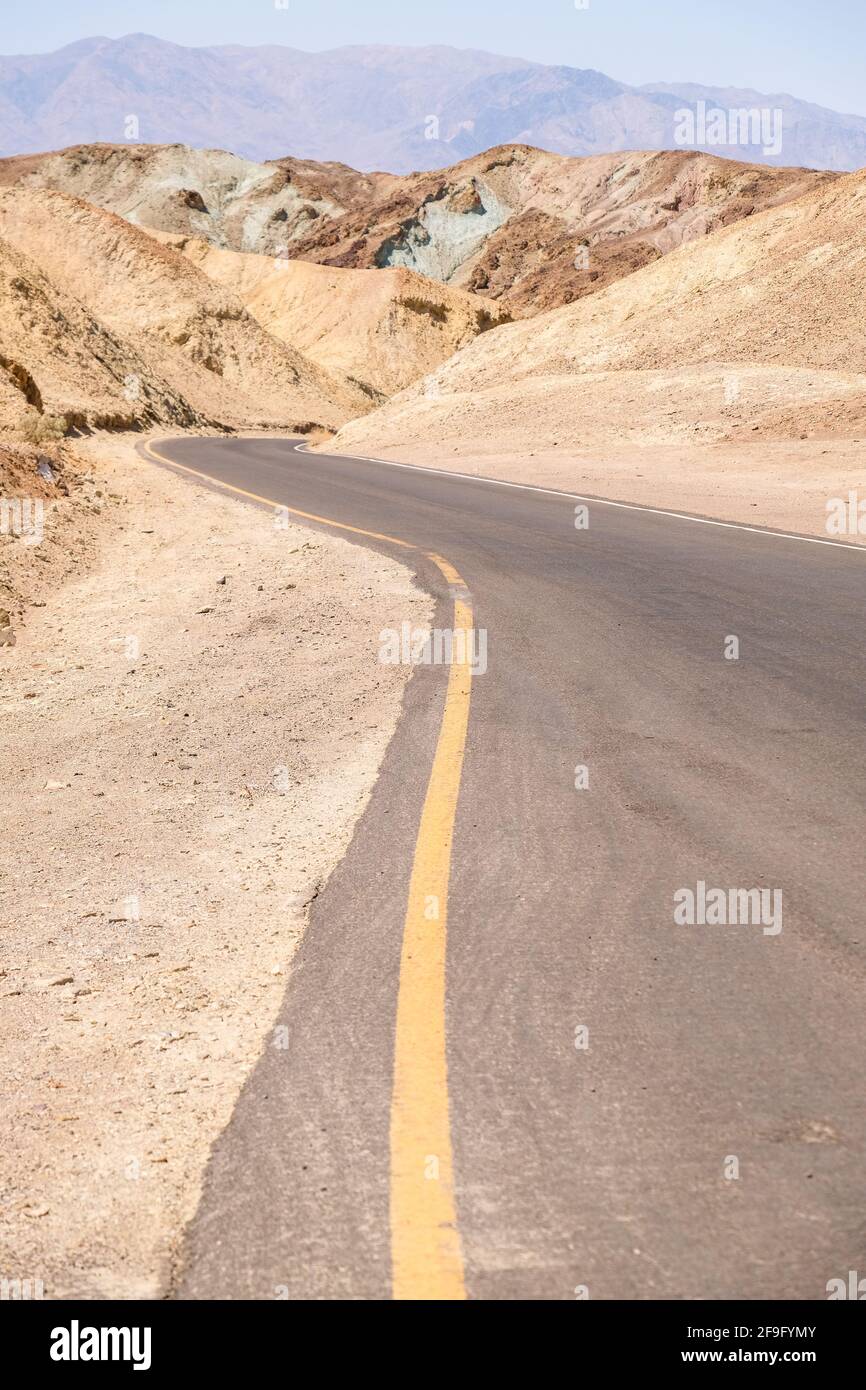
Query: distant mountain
x=397, y=109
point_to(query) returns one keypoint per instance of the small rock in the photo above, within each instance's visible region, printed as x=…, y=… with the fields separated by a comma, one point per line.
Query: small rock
x=52, y=980
x=55, y=786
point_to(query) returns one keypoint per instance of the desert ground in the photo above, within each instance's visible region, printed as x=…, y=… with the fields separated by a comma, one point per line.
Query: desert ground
x=238, y=721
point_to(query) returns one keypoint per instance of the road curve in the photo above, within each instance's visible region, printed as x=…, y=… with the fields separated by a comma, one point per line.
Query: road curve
x=638, y=1108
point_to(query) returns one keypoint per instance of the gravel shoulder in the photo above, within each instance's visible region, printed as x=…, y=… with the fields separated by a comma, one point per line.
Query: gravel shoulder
x=191, y=726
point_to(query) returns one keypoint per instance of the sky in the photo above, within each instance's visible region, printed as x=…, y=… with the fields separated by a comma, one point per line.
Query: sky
x=815, y=49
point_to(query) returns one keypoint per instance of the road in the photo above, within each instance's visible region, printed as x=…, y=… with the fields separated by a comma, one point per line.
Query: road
x=633, y=1107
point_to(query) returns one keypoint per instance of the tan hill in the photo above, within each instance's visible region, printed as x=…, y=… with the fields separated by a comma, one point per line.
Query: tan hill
x=186, y=329
x=756, y=329
x=386, y=328
x=530, y=229
x=58, y=360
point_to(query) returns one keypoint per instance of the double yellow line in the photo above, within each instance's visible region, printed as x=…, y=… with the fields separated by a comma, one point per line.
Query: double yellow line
x=426, y=1252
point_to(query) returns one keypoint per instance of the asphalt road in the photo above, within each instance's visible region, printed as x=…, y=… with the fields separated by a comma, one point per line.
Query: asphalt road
x=706, y=1136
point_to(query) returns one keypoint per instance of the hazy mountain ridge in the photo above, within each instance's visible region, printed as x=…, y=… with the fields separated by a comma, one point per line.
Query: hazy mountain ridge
x=371, y=107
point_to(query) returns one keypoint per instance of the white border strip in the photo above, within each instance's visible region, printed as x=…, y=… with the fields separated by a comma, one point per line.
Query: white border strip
x=598, y=501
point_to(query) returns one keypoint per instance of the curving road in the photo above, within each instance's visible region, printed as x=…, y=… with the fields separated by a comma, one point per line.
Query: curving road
x=639, y=1108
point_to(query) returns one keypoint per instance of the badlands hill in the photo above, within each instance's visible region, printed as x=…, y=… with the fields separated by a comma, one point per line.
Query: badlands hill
x=378, y=107
x=57, y=359
x=230, y=201
x=186, y=329
x=386, y=328
x=531, y=230
x=536, y=231
x=757, y=329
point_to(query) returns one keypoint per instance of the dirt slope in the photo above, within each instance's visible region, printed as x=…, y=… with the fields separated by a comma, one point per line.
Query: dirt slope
x=531, y=229
x=186, y=328
x=386, y=328
x=758, y=328
x=56, y=359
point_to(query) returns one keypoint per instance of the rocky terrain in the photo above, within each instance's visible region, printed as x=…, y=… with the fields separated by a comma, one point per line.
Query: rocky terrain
x=57, y=360
x=528, y=229
x=776, y=294
x=198, y=356
x=49, y=539
x=233, y=202
x=385, y=328
x=375, y=107
x=659, y=300
x=536, y=230
x=747, y=342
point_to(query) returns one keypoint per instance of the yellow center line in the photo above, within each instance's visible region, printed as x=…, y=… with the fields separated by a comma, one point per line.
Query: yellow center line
x=292, y=511
x=426, y=1253
x=450, y=573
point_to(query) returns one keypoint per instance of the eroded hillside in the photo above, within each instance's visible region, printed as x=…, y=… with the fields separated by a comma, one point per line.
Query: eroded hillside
x=386, y=328
x=753, y=331
x=118, y=284
x=530, y=229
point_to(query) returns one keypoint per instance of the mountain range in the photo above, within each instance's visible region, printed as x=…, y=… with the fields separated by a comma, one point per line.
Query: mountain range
x=378, y=108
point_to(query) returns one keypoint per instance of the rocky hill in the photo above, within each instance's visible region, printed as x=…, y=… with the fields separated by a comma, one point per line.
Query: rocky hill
x=754, y=330
x=528, y=229
x=166, y=321
x=385, y=328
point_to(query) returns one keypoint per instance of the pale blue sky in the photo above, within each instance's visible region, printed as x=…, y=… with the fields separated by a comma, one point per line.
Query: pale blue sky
x=815, y=49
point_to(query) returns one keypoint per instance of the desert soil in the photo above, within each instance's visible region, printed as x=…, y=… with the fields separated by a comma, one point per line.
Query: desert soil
x=191, y=727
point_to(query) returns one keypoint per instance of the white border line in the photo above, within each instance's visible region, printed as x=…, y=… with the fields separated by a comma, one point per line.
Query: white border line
x=598, y=501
